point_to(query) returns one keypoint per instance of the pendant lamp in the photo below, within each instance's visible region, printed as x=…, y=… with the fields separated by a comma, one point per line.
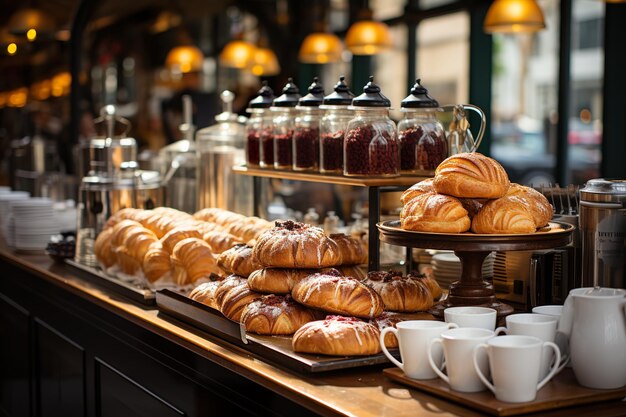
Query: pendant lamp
x=264, y=63
x=237, y=54
x=32, y=23
x=184, y=59
x=514, y=16
x=320, y=48
x=367, y=36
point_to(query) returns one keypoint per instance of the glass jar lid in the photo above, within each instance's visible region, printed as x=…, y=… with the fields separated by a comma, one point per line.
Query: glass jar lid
x=264, y=99
x=419, y=98
x=315, y=96
x=371, y=97
x=290, y=95
x=342, y=96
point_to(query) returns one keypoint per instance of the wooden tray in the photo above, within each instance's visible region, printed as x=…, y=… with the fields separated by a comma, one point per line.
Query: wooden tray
x=276, y=349
x=561, y=391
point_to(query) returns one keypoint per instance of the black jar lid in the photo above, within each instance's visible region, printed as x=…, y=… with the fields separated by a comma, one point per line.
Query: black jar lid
x=290, y=95
x=315, y=96
x=264, y=99
x=371, y=97
x=342, y=96
x=419, y=98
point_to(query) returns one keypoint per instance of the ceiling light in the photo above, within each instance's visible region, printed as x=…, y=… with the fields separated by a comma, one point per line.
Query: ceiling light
x=237, y=54
x=11, y=48
x=368, y=37
x=184, y=59
x=264, y=63
x=320, y=48
x=31, y=23
x=514, y=16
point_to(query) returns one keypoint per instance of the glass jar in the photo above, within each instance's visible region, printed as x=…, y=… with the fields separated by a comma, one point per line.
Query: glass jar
x=306, y=133
x=371, y=145
x=283, y=109
x=333, y=126
x=423, y=144
x=259, y=125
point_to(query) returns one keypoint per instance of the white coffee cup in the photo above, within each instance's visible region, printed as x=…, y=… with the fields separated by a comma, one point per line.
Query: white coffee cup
x=514, y=362
x=414, y=337
x=458, y=347
x=476, y=317
x=549, y=310
x=560, y=339
x=536, y=325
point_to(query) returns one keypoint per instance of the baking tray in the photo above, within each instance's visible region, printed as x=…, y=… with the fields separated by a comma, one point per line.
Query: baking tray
x=276, y=349
x=138, y=293
x=561, y=391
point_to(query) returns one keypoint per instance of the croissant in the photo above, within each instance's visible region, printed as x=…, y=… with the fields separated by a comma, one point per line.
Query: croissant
x=119, y=232
x=506, y=215
x=193, y=259
x=399, y=293
x=350, y=249
x=535, y=202
x=233, y=298
x=435, y=213
x=238, y=260
x=102, y=248
x=420, y=188
x=205, y=293
x=296, y=245
x=471, y=175
x=275, y=315
x=156, y=263
x=338, y=295
x=337, y=336
x=171, y=238
x=219, y=241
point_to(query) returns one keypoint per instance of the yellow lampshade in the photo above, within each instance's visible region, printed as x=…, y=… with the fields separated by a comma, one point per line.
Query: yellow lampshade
x=186, y=58
x=368, y=37
x=237, y=54
x=264, y=63
x=320, y=48
x=60, y=84
x=31, y=23
x=514, y=16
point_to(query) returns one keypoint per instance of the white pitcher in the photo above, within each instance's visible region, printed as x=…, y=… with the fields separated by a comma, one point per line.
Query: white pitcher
x=594, y=319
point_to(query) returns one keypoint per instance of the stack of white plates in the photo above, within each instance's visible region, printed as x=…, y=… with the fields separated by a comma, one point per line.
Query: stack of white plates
x=447, y=268
x=6, y=197
x=65, y=214
x=31, y=223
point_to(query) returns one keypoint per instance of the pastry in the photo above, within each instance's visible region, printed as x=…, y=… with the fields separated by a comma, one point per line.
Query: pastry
x=399, y=293
x=220, y=241
x=388, y=319
x=428, y=282
x=337, y=336
x=338, y=294
x=233, y=295
x=277, y=280
x=296, y=245
x=536, y=203
x=472, y=206
x=102, y=248
x=238, y=260
x=350, y=249
x=420, y=188
x=192, y=259
x=434, y=213
x=171, y=238
x=471, y=175
x=156, y=263
x=275, y=315
x=506, y=215
x=205, y=293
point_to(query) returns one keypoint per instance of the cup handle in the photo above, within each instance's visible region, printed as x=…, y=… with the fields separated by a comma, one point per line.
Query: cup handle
x=555, y=368
x=477, y=368
x=432, y=362
x=452, y=326
x=483, y=124
x=504, y=330
x=384, y=348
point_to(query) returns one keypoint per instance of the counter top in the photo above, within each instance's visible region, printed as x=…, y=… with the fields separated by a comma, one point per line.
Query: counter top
x=358, y=392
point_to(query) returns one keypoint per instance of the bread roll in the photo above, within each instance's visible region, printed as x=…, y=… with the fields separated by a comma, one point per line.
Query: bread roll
x=350, y=249
x=471, y=175
x=536, y=203
x=337, y=336
x=434, y=213
x=275, y=315
x=428, y=282
x=193, y=259
x=157, y=263
x=296, y=245
x=238, y=260
x=233, y=298
x=420, y=188
x=205, y=293
x=102, y=248
x=506, y=215
x=339, y=295
x=399, y=293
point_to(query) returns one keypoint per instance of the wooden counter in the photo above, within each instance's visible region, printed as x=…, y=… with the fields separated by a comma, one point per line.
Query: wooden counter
x=85, y=351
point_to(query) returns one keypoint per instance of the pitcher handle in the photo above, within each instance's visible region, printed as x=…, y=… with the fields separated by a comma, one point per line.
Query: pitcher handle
x=483, y=124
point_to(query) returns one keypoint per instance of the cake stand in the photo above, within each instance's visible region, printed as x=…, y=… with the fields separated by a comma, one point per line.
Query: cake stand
x=472, y=248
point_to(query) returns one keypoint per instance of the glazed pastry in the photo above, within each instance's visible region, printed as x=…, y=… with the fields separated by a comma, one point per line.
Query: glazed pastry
x=337, y=336
x=388, y=319
x=238, y=260
x=399, y=293
x=227, y=284
x=350, y=249
x=506, y=215
x=415, y=190
x=338, y=294
x=275, y=315
x=296, y=245
x=220, y=242
x=233, y=295
x=536, y=203
x=428, y=282
x=157, y=263
x=205, y=293
x=193, y=259
x=102, y=248
x=471, y=175
x=177, y=234
x=435, y=213
x=277, y=280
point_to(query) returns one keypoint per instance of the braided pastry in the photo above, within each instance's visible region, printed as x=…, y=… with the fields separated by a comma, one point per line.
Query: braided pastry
x=399, y=293
x=205, y=293
x=233, y=295
x=506, y=215
x=428, y=282
x=275, y=315
x=535, y=202
x=238, y=260
x=415, y=190
x=337, y=336
x=350, y=249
